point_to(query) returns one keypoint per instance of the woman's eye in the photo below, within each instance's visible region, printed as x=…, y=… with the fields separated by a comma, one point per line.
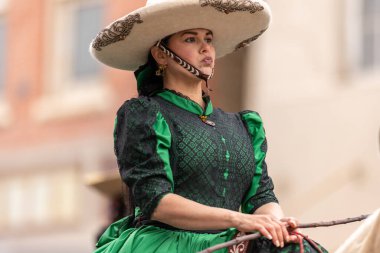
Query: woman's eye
x=208, y=40
x=190, y=39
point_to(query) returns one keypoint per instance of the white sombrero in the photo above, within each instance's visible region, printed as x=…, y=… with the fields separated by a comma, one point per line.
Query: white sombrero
x=125, y=43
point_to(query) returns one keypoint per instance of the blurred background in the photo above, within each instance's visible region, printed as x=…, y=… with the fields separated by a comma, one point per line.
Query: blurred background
x=314, y=76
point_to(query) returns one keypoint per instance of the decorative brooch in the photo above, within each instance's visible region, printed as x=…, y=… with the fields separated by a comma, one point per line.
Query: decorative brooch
x=206, y=121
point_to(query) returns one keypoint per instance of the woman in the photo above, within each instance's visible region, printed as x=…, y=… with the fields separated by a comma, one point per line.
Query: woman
x=197, y=175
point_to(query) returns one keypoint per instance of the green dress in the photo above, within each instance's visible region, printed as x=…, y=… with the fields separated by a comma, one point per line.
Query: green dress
x=168, y=144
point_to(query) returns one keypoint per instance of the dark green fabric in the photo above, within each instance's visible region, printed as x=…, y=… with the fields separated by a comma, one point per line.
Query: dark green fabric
x=113, y=231
x=187, y=104
x=120, y=238
x=211, y=165
x=162, y=146
x=142, y=168
x=261, y=183
x=164, y=139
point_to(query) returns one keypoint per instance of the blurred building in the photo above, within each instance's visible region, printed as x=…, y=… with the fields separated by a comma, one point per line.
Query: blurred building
x=57, y=107
x=314, y=76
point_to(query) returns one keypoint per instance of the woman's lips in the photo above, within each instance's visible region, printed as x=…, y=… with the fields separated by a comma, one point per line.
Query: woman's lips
x=207, y=60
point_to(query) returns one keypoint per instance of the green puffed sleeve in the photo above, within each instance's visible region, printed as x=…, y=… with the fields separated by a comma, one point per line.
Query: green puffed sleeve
x=261, y=190
x=142, y=140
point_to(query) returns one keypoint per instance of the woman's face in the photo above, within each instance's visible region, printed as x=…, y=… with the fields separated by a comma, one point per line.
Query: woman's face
x=194, y=46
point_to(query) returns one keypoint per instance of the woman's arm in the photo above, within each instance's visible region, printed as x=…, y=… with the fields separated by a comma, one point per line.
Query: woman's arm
x=273, y=209
x=187, y=214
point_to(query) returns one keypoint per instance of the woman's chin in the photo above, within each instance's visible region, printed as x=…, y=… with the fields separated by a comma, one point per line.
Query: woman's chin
x=207, y=70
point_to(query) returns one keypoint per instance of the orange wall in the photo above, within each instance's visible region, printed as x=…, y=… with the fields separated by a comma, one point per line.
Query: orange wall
x=24, y=53
x=25, y=82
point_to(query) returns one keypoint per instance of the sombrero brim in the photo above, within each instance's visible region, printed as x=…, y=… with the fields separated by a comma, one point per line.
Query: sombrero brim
x=125, y=43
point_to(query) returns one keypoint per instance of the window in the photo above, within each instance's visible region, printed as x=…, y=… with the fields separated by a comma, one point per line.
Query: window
x=74, y=82
x=51, y=198
x=87, y=22
x=74, y=25
x=370, y=56
x=2, y=55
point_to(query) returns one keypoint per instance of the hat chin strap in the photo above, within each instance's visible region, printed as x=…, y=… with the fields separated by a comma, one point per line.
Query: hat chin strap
x=193, y=70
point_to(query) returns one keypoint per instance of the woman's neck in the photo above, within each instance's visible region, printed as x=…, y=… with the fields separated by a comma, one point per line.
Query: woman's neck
x=191, y=89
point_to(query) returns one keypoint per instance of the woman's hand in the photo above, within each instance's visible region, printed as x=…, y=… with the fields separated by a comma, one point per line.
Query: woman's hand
x=267, y=225
x=292, y=224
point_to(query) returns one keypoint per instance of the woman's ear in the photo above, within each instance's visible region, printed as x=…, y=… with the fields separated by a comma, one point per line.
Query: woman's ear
x=160, y=57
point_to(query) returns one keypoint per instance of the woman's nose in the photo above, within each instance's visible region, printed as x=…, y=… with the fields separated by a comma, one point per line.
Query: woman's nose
x=205, y=47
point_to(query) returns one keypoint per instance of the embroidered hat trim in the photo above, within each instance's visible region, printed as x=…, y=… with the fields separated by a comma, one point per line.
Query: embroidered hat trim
x=233, y=5
x=116, y=32
x=246, y=42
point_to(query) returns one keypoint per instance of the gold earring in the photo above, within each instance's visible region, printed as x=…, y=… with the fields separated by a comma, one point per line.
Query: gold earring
x=160, y=70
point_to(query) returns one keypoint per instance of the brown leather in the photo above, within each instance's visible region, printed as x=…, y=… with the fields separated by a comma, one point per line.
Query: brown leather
x=240, y=247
